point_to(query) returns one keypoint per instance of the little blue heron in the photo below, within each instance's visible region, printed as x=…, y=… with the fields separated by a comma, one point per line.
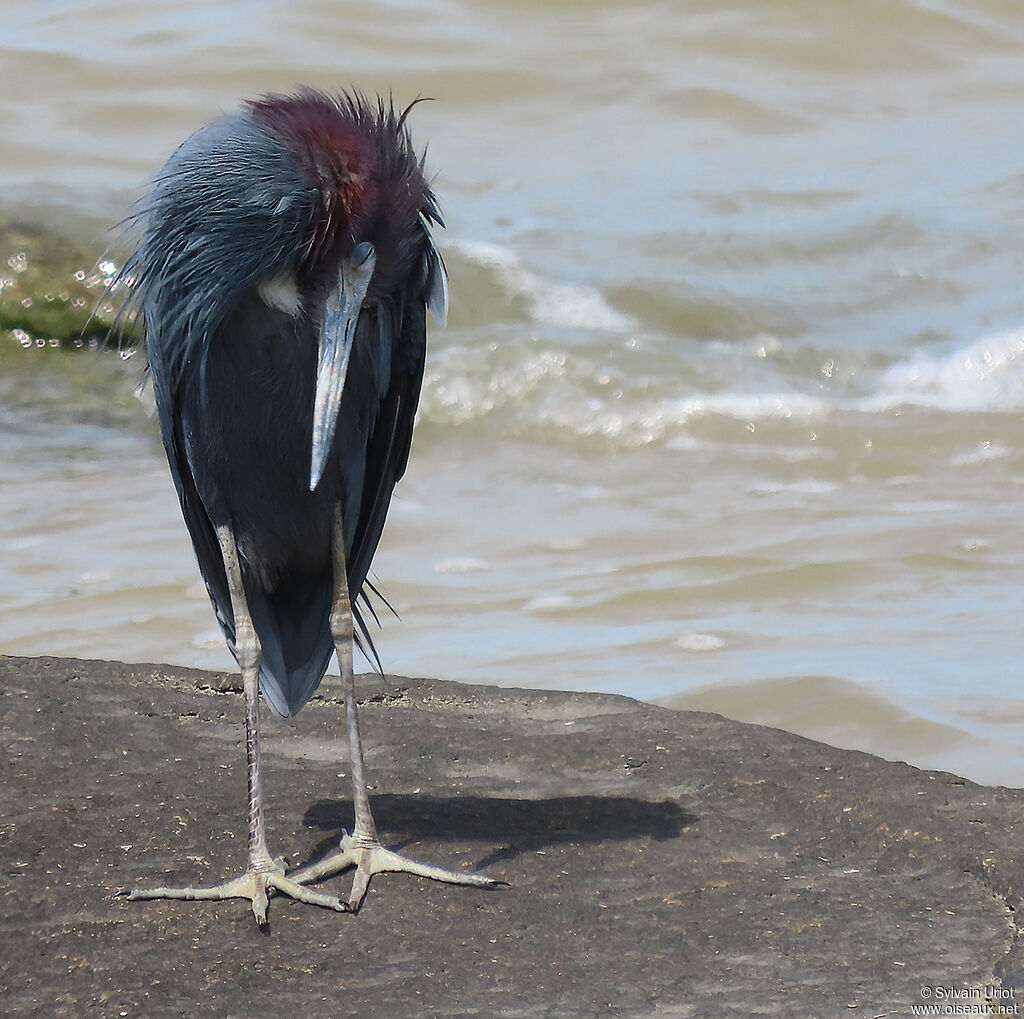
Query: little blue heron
x=284, y=273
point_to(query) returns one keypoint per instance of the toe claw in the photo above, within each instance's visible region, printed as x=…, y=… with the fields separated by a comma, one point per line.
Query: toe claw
x=260, y=903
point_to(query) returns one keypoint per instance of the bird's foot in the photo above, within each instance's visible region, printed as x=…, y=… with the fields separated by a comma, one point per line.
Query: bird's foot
x=370, y=857
x=257, y=884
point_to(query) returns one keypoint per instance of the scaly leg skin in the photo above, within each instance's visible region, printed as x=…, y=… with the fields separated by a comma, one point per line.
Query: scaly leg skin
x=362, y=849
x=264, y=876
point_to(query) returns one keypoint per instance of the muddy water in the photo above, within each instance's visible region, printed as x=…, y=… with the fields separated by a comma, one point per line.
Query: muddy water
x=729, y=410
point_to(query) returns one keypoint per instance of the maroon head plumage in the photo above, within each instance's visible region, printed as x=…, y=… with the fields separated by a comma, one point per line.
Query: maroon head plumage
x=370, y=180
x=367, y=232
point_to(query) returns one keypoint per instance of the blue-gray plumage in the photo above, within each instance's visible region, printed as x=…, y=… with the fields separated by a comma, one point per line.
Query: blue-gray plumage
x=284, y=274
x=233, y=211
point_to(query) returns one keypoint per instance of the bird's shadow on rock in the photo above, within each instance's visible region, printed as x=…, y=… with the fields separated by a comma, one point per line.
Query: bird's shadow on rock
x=518, y=826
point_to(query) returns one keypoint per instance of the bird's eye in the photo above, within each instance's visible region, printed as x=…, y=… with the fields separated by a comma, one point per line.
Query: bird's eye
x=361, y=253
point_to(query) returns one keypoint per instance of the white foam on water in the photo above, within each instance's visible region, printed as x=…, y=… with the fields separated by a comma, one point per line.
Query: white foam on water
x=549, y=602
x=479, y=385
x=683, y=444
x=983, y=453
x=811, y=487
x=975, y=544
x=699, y=642
x=461, y=564
x=566, y=545
x=542, y=390
x=208, y=640
x=762, y=406
x=565, y=304
x=805, y=487
x=987, y=375
x=640, y=423
x=95, y=577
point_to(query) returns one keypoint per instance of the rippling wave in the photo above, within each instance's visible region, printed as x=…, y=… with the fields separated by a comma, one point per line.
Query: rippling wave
x=605, y=374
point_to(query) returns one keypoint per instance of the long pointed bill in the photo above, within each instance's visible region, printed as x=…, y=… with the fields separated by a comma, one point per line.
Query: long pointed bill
x=340, y=317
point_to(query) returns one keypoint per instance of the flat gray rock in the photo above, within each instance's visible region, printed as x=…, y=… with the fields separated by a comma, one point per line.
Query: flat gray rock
x=659, y=863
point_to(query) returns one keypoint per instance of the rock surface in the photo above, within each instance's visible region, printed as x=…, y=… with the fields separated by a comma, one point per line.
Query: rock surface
x=659, y=863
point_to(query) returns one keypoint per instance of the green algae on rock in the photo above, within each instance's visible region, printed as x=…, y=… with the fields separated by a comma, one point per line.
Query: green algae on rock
x=55, y=320
x=52, y=292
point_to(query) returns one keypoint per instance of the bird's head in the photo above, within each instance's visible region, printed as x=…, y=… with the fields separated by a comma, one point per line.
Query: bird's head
x=317, y=203
x=367, y=233
x=368, y=180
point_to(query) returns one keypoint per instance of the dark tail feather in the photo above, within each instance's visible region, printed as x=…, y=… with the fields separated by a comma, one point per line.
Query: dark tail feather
x=364, y=641
x=293, y=625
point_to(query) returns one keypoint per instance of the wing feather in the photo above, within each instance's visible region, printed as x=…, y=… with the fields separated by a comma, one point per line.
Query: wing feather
x=387, y=453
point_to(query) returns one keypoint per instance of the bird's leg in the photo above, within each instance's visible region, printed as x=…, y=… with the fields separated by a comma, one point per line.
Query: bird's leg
x=264, y=875
x=362, y=848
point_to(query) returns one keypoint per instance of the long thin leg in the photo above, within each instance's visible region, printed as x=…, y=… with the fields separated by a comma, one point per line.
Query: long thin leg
x=263, y=872
x=342, y=631
x=250, y=654
x=362, y=848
